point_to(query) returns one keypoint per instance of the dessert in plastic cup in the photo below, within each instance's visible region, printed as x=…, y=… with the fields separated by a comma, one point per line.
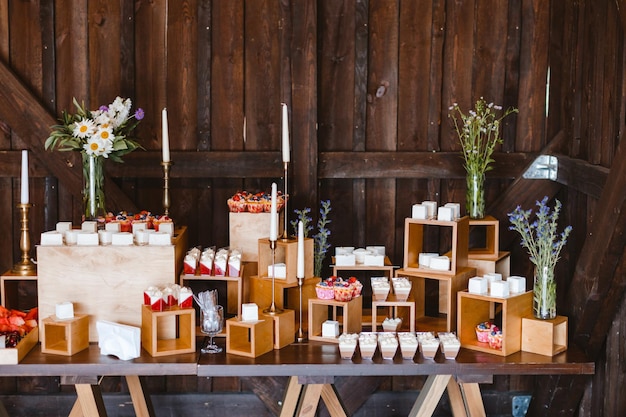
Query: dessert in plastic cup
x=408, y=344
x=347, y=344
x=388, y=345
x=392, y=324
x=367, y=344
x=450, y=344
x=429, y=344
x=380, y=290
x=402, y=288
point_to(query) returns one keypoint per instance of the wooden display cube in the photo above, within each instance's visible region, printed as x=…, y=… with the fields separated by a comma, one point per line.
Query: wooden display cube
x=249, y=339
x=185, y=329
x=491, y=235
x=286, y=295
x=284, y=327
x=13, y=356
x=245, y=230
x=65, y=337
x=387, y=269
x=106, y=282
x=9, y=286
x=501, y=263
x=286, y=252
x=476, y=308
x=350, y=319
x=414, y=237
x=545, y=337
x=393, y=307
x=449, y=286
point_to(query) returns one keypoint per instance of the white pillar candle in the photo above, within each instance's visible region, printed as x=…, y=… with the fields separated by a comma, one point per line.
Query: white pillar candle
x=24, y=188
x=285, y=133
x=300, y=259
x=166, y=137
x=273, y=216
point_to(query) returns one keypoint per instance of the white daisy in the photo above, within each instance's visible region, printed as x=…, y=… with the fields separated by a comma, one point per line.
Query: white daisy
x=83, y=128
x=105, y=133
x=93, y=145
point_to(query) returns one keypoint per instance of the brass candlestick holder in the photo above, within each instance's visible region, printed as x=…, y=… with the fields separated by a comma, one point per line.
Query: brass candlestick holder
x=166, y=187
x=301, y=337
x=272, y=309
x=285, y=199
x=26, y=265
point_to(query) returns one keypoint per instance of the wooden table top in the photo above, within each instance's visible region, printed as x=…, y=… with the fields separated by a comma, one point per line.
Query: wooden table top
x=309, y=358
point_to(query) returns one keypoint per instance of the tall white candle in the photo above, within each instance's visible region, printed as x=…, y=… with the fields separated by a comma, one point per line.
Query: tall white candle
x=285, y=133
x=300, y=258
x=24, y=178
x=273, y=216
x=166, y=136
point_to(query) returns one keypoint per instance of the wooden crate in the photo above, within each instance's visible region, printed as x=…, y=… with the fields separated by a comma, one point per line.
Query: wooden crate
x=491, y=248
x=476, y=308
x=156, y=344
x=249, y=338
x=393, y=306
x=284, y=327
x=13, y=356
x=65, y=337
x=449, y=286
x=9, y=283
x=350, y=320
x=245, y=230
x=414, y=243
x=234, y=289
x=286, y=252
x=545, y=337
x=105, y=282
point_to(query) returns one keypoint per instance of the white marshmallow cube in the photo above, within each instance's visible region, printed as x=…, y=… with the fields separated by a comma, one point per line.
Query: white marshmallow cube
x=346, y=259
x=419, y=211
x=344, y=250
x=63, y=226
x=425, y=258
x=493, y=276
x=478, y=285
x=159, y=238
x=499, y=289
x=445, y=214
x=456, y=209
x=167, y=227
x=249, y=312
x=105, y=237
x=122, y=239
x=440, y=263
x=277, y=270
x=51, y=238
x=372, y=259
x=112, y=227
x=517, y=284
x=87, y=239
x=431, y=207
x=330, y=328
x=71, y=236
x=89, y=226
x=379, y=250
x=64, y=311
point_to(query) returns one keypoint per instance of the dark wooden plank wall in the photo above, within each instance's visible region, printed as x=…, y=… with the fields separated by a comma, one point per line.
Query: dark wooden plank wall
x=369, y=77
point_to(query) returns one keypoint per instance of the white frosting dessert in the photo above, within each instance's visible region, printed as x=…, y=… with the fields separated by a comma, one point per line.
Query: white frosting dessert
x=347, y=344
x=380, y=290
x=408, y=344
x=367, y=344
x=450, y=344
x=388, y=345
x=391, y=324
x=402, y=288
x=429, y=344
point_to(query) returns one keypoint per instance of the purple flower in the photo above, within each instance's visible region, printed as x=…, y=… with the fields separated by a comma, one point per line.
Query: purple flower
x=103, y=108
x=139, y=114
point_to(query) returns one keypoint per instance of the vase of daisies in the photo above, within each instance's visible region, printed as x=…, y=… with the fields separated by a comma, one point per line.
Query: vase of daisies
x=99, y=135
x=479, y=133
x=540, y=237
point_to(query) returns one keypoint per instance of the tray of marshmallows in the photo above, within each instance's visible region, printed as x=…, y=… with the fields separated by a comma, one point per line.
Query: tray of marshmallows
x=388, y=343
x=211, y=261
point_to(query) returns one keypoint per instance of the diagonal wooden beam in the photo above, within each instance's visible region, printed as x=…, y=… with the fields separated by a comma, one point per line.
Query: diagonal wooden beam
x=29, y=119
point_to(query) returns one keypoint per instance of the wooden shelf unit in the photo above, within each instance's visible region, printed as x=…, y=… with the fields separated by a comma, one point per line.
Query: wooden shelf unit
x=476, y=308
x=491, y=248
x=234, y=288
x=414, y=244
x=286, y=252
x=393, y=310
x=350, y=319
x=155, y=343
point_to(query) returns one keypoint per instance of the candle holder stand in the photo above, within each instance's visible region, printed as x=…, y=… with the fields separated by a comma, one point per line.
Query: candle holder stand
x=286, y=200
x=272, y=309
x=26, y=266
x=166, y=187
x=300, y=336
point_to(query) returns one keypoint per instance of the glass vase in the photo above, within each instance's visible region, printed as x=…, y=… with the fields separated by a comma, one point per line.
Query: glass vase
x=475, y=196
x=544, y=293
x=93, y=191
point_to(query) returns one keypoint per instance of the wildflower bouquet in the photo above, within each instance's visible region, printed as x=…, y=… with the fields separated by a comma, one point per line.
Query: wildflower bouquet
x=98, y=135
x=479, y=133
x=544, y=244
x=104, y=132
x=320, y=239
